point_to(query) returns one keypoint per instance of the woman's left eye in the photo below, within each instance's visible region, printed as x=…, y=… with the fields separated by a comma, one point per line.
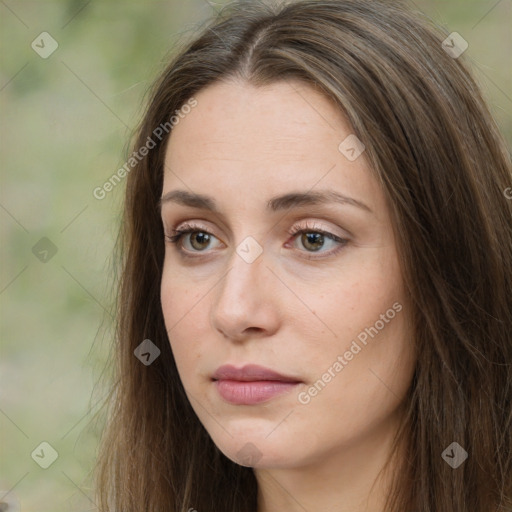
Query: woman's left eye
x=314, y=240
x=311, y=239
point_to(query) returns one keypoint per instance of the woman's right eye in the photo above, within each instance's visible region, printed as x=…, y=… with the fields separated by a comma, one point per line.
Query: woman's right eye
x=198, y=240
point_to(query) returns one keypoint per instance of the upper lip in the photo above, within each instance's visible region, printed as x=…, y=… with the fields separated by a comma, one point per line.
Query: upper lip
x=250, y=372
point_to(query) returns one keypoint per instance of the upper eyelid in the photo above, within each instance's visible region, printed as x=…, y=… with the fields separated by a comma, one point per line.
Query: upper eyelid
x=309, y=225
x=185, y=228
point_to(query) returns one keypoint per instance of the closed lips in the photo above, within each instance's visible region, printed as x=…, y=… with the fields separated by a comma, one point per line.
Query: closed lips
x=251, y=385
x=251, y=373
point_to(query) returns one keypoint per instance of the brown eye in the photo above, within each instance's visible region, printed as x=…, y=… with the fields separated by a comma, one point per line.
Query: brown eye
x=191, y=239
x=312, y=241
x=199, y=240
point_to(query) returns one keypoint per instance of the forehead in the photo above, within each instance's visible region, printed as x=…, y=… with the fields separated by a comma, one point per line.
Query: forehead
x=263, y=140
x=257, y=121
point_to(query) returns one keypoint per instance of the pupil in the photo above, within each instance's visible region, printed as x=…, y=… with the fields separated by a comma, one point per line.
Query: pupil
x=313, y=241
x=310, y=239
x=202, y=240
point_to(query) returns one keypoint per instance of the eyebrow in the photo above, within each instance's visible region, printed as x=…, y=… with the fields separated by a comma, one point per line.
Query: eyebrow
x=275, y=204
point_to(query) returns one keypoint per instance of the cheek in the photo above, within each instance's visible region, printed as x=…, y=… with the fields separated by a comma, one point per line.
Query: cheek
x=181, y=295
x=361, y=396
x=351, y=301
x=365, y=319
x=183, y=307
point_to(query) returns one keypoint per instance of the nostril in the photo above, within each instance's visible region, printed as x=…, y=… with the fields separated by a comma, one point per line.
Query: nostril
x=253, y=330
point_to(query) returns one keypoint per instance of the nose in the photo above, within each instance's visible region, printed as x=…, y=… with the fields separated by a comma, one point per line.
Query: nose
x=246, y=303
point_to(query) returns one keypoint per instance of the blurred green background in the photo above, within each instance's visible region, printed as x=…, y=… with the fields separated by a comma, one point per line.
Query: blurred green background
x=66, y=122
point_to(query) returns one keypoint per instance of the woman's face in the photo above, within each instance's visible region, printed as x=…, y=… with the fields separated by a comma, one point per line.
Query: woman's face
x=290, y=265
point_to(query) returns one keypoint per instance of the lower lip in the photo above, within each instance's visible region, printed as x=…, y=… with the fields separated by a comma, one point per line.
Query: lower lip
x=254, y=392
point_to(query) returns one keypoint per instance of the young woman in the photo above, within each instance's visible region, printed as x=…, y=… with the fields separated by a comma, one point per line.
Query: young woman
x=315, y=309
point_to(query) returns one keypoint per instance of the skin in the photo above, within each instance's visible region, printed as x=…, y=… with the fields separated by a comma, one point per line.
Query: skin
x=243, y=145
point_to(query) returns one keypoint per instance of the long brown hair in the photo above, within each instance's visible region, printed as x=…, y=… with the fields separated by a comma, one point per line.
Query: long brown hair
x=443, y=165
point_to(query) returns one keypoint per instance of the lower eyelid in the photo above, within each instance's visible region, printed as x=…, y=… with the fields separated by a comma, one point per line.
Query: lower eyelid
x=303, y=254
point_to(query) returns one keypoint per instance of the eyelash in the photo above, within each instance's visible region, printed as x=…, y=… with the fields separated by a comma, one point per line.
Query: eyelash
x=189, y=228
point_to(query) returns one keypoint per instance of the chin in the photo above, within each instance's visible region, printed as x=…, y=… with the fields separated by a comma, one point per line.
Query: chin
x=259, y=452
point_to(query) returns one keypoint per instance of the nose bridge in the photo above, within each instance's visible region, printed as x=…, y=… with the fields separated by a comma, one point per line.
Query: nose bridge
x=244, y=297
x=241, y=284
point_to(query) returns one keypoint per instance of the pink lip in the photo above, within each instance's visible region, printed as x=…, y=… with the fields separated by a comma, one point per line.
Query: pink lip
x=251, y=384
